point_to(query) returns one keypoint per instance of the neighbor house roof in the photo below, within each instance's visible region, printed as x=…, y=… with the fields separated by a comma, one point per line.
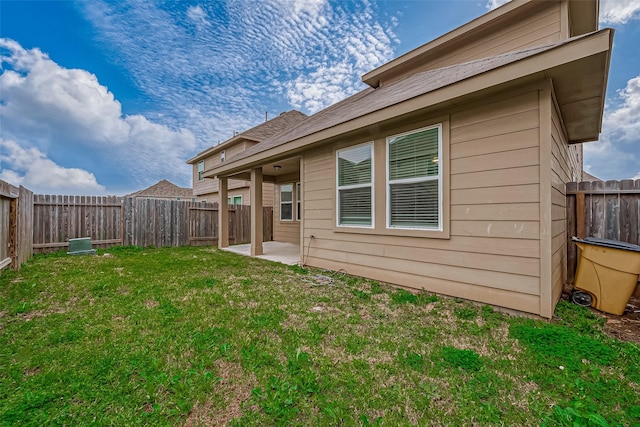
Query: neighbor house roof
x=584, y=19
x=164, y=189
x=583, y=57
x=586, y=176
x=257, y=133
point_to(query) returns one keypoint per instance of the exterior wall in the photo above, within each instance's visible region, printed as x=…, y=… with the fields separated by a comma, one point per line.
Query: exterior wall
x=566, y=166
x=285, y=231
x=204, y=188
x=541, y=27
x=245, y=192
x=208, y=188
x=493, y=252
x=241, y=188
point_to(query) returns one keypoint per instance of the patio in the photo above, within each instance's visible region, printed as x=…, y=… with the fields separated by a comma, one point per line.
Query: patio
x=286, y=253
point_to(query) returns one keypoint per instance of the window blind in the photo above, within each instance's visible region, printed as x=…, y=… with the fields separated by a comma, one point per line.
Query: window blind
x=355, y=206
x=414, y=155
x=413, y=179
x=286, y=202
x=354, y=176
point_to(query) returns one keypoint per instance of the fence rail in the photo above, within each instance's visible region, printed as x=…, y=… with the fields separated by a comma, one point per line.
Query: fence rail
x=56, y=219
x=111, y=221
x=607, y=210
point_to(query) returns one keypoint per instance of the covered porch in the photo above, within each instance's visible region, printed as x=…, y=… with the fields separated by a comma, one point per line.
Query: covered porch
x=286, y=253
x=284, y=173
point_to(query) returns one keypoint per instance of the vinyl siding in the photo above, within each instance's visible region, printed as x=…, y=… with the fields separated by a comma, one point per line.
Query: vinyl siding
x=245, y=192
x=284, y=231
x=493, y=252
x=208, y=188
x=538, y=28
x=566, y=166
x=241, y=190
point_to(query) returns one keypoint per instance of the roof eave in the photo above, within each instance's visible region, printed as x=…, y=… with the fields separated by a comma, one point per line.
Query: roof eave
x=548, y=64
x=583, y=19
x=216, y=148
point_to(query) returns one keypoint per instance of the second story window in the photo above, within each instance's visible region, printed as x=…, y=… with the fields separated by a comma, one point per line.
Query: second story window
x=200, y=170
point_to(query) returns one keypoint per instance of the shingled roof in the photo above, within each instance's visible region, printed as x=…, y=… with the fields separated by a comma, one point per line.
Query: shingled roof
x=257, y=133
x=274, y=126
x=163, y=189
x=371, y=100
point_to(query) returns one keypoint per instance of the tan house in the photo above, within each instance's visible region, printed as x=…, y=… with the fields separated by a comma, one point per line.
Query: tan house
x=206, y=190
x=448, y=173
x=164, y=190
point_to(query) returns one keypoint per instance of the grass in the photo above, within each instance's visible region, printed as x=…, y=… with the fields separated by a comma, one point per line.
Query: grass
x=197, y=336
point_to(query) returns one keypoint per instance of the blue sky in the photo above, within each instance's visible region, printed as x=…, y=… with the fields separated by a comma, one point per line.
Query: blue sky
x=100, y=97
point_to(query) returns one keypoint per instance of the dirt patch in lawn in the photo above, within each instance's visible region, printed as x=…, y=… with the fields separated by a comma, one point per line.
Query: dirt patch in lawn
x=236, y=388
x=627, y=326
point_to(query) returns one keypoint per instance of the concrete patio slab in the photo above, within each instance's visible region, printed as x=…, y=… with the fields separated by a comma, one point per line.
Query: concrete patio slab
x=286, y=253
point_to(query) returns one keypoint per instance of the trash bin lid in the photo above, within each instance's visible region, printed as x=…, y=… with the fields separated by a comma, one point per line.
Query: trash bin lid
x=615, y=244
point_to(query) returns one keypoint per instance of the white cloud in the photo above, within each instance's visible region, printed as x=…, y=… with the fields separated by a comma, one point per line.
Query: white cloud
x=611, y=11
x=492, y=4
x=68, y=114
x=225, y=78
x=619, y=11
x=623, y=123
x=616, y=155
x=32, y=169
x=197, y=15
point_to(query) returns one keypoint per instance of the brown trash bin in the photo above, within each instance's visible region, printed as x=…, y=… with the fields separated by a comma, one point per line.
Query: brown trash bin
x=607, y=272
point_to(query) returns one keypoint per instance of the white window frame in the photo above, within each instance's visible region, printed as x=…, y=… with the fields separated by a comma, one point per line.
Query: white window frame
x=416, y=180
x=222, y=156
x=298, y=196
x=233, y=199
x=200, y=170
x=371, y=185
x=288, y=203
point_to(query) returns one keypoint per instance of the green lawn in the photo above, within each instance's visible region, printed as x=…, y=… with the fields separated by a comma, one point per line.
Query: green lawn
x=198, y=336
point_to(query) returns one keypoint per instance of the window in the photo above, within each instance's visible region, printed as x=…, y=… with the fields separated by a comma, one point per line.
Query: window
x=237, y=200
x=286, y=202
x=298, y=204
x=414, y=179
x=200, y=170
x=203, y=201
x=222, y=156
x=355, y=186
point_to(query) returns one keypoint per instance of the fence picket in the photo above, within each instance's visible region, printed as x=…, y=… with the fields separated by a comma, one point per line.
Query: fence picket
x=113, y=221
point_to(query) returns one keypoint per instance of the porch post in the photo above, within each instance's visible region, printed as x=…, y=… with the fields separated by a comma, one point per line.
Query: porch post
x=256, y=211
x=223, y=214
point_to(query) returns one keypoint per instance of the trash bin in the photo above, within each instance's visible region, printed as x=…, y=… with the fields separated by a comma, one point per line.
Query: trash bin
x=607, y=273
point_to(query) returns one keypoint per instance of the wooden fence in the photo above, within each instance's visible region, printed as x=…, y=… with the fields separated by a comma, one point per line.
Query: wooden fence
x=16, y=225
x=607, y=210
x=111, y=221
